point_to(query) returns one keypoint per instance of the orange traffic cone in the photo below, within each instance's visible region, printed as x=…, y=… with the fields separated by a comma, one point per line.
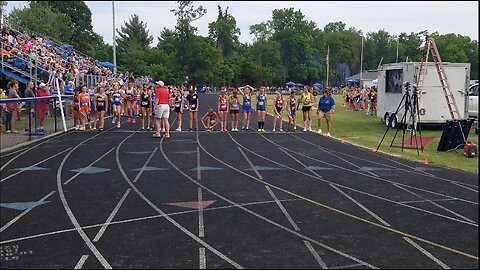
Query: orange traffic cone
x=425, y=162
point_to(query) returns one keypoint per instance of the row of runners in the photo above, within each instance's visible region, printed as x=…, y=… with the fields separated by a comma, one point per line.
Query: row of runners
x=125, y=99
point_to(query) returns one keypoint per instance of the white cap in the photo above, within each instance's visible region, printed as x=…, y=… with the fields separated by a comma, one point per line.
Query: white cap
x=42, y=85
x=161, y=83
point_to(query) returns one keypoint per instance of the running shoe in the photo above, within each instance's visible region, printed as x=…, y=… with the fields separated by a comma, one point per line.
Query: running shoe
x=208, y=130
x=118, y=125
x=273, y=130
x=328, y=134
x=113, y=120
x=14, y=131
x=142, y=129
x=100, y=129
x=304, y=129
x=233, y=129
x=134, y=121
x=163, y=130
x=243, y=128
x=178, y=129
x=157, y=135
x=319, y=131
x=281, y=129
x=167, y=136
x=259, y=130
x=83, y=128
x=310, y=129
x=129, y=120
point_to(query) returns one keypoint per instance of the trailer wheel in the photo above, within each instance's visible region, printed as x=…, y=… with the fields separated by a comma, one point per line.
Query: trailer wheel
x=393, y=120
x=386, y=119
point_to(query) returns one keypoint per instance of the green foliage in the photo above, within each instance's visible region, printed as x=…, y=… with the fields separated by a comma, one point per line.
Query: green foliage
x=42, y=19
x=225, y=32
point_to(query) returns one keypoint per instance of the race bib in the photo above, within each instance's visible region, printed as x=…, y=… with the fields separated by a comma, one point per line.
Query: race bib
x=260, y=103
x=144, y=103
x=100, y=104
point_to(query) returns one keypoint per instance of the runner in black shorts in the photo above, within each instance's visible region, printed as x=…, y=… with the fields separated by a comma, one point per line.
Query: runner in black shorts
x=145, y=101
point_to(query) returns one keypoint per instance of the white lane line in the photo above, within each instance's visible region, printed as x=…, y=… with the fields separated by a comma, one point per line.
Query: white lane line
x=284, y=211
x=134, y=220
x=347, y=266
x=315, y=254
x=26, y=168
x=203, y=260
x=436, y=204
x=81, y=262
x=352, y=189
x=201, y=226
x=145, y=165
x=421, y=201
x=342, y=168
x=251, y=164
x=199, y=171
x=112, y=215
x=361, y=206
x=91, y=164
x=69, y=212
x=171, y=220
x=24, y=213
x=298, y=161
x=428, y=254
x=46, y=139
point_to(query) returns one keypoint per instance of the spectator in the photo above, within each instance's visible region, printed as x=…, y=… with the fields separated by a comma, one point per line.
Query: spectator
x=29, y=104
x=41, y=108
x=326, y=107
x=12, y=107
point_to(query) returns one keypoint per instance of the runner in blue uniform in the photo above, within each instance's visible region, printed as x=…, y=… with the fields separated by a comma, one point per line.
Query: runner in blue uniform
x=246, y=91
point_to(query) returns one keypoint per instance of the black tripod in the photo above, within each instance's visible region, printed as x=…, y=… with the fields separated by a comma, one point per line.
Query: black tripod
x=412, y=111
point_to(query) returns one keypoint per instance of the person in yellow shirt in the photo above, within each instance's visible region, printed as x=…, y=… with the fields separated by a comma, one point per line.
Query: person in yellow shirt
x=307, y=100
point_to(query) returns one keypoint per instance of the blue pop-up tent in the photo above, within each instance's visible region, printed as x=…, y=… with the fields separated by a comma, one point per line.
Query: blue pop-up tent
x=299, y=84
x=317, y=85
x=107, y=64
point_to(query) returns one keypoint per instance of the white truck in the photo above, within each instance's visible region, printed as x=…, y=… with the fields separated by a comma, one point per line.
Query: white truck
x=433, y=108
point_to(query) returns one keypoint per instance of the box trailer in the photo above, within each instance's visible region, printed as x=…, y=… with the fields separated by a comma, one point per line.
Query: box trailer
x=433, y=108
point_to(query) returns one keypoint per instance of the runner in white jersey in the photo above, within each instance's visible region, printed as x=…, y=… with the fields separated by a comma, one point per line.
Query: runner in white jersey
x=130, y=98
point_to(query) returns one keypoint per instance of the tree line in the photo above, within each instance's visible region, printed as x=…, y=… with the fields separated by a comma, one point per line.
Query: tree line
x=285, y=48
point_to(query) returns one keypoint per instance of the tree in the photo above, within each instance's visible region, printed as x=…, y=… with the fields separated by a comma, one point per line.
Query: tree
x=81, y=17
x=225, y=32
x=186, y=14
x=42, y=19
x=132, y=44
x=2, y=4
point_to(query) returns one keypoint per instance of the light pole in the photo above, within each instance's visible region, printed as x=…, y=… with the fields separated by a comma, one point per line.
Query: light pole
x=361, y=64
x=398, y=40
x=114, y=42
x=328, y=63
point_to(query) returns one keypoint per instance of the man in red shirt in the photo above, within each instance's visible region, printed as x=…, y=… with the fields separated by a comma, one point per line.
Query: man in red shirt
x=162, y=109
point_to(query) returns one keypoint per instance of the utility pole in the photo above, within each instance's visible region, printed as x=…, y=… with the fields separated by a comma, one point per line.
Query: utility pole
x=114, y=42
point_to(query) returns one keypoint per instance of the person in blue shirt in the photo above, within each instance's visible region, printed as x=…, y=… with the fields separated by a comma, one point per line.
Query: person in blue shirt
x=326, y=107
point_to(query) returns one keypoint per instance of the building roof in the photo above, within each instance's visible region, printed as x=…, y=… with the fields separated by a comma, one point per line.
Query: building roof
x=369, y=76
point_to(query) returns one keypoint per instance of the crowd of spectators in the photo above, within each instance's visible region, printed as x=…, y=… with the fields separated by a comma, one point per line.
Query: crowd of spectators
x=24, y=50
x=360, y=99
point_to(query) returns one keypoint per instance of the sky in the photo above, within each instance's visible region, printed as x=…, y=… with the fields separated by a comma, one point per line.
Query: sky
x=395, y=17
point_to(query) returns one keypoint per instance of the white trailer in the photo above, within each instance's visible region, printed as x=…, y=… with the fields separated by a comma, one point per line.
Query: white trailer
x=433, y=108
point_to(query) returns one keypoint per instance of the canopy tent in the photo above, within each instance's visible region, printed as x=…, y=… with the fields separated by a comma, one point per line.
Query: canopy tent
x=353, y=81
x=107, y=64
x=375, y=82
x=299, y=84
x=66, y=47
x=291, y=84
x=317, y=85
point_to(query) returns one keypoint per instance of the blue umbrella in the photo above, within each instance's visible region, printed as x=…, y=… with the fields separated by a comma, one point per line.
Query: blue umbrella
x=66, y=47
x=290, y=84
x=107, y=64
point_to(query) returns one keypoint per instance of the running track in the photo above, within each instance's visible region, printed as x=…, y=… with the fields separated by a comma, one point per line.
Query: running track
x=122, y=199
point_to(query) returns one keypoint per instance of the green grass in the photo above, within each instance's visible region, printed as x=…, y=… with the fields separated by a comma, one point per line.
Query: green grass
x=356, y=127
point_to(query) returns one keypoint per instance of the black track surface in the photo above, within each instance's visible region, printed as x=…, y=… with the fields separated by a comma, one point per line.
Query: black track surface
x=308, y=202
